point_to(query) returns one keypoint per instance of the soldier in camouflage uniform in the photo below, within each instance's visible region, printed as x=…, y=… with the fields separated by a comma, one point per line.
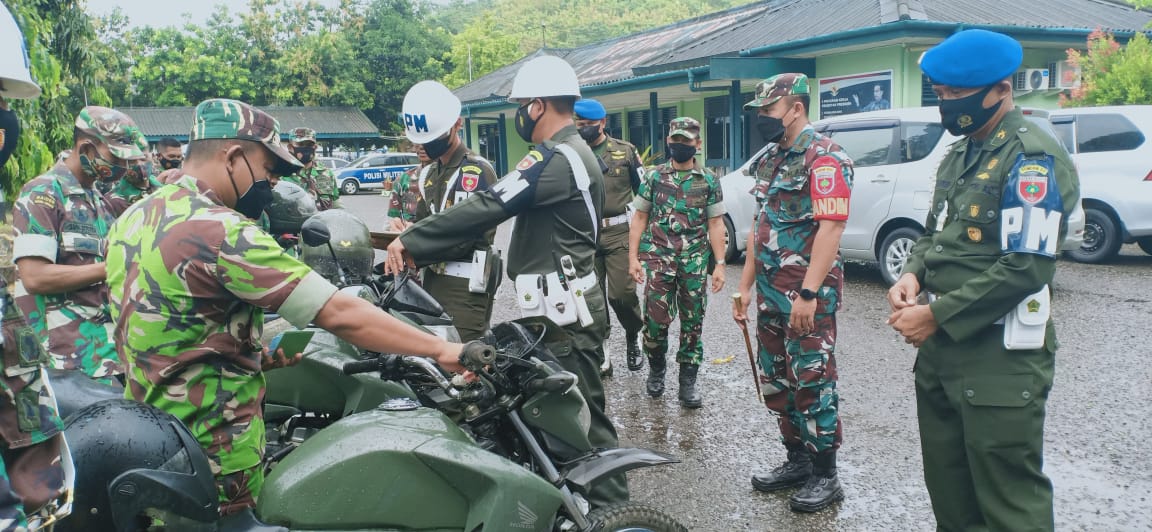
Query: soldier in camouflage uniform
x=61, y=223
x=133, y=186
x=31, y=475
x=190, y=276
x=1003, y=195
x=803, y=186
x=679, y=216
x=453, y=174
x=315, y=178
x=621, y=182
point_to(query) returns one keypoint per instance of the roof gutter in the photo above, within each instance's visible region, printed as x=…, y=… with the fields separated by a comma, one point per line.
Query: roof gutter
x=599, y=87
x=928, y=26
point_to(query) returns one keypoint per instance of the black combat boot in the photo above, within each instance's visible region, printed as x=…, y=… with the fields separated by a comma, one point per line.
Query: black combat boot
x=822, y=488
x=635, y=359
x=790, y=474
x=245, y=521
x=689, y=397
x=657, y=363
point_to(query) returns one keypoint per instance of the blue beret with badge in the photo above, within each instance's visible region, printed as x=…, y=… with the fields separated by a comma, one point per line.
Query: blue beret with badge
x=972, y=58
x=589, y=109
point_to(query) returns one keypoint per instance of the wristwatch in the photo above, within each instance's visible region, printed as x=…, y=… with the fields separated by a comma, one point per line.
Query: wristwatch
x=720, y=262
x=807, y=295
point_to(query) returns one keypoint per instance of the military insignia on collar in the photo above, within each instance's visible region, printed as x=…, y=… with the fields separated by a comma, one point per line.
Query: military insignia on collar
x=974, y=210
x=983, y=176
x=469, y=182
x=1033, y=306
x=1000, y=135
x=974, y=234
x=992, y=164
x=964, y=121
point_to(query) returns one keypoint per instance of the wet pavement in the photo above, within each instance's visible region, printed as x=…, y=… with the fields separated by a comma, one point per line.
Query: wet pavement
x=1096, y=437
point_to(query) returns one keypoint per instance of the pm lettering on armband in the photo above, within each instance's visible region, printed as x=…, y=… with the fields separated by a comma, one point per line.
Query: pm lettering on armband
x=1030, y=229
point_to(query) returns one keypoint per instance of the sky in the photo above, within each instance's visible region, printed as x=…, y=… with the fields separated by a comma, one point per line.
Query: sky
x=168, y=12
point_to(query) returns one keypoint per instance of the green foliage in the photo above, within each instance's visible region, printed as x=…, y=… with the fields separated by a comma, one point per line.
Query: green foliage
x=1111, y=74
x=480, y=49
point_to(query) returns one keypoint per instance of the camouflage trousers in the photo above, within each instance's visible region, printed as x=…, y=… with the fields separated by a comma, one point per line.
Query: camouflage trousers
x=30, y=477
x=799, y=380
x=675, y=285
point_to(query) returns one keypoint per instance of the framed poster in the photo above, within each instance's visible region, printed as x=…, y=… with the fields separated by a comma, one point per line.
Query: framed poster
x=870, y=91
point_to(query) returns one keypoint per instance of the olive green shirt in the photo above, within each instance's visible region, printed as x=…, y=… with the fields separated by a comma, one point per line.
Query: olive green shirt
x=622, y=179
x=959, y=258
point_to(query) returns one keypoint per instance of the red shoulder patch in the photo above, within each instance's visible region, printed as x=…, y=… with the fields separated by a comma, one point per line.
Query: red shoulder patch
x=469, y=182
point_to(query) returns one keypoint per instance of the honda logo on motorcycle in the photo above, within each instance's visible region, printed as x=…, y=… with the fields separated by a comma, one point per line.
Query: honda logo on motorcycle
x=528, y=517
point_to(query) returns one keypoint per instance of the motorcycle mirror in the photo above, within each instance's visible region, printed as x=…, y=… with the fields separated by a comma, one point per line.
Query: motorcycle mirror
x=556, y=382
x=315, y=233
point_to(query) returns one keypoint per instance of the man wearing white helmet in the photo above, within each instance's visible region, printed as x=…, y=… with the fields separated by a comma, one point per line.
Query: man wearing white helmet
x=556, y=194
x=35, y=468
x=466, y=283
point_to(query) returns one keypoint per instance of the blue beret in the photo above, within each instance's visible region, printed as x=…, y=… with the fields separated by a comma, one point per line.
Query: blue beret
x=972, y=58
x=589, y=109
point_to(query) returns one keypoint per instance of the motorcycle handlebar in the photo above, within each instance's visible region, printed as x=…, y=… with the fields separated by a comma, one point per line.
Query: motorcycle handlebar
x=361, y=366
x=476, y=355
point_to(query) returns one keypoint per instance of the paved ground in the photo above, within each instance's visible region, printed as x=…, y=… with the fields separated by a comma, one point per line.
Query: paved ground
x=1096, y=439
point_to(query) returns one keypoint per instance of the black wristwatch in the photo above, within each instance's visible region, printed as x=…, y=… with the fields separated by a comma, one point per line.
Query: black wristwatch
x=807, y=295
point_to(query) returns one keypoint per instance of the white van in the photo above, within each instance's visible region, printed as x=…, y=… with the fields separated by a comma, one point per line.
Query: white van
x=895, y=154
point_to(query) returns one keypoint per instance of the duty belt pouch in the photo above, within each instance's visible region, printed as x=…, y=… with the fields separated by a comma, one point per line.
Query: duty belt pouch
x=1025, y=324
x=559, y=306
x=481, y=266
x=530, y=294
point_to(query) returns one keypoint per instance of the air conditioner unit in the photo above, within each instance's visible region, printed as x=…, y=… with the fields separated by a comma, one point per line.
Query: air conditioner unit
x=1032, y=79
x=1067, y=76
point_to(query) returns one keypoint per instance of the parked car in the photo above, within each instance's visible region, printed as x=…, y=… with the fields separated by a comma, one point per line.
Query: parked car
x=373, y=170
x=1114, y=157
x=895, y=154
x=333, y=163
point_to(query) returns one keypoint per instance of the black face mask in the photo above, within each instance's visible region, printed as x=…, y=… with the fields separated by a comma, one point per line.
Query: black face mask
x=305, y=156
x=169, y=164
x=256, y=199
x=9, y=132
x=771, y=128
x=964, y=116
x=435, y=148
x=681, y=153
x=525, y=124
x=590, y=133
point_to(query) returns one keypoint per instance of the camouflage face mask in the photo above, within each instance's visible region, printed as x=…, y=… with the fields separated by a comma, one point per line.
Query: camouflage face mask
x=101, y=169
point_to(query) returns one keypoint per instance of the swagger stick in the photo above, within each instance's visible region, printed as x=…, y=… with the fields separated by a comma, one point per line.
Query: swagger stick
x=748, y=345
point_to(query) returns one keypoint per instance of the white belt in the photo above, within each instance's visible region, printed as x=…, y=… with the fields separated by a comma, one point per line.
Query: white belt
x=615, y=220
x=456, y=269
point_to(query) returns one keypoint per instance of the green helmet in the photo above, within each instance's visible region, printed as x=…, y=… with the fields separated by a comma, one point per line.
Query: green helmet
x=291, y=205
x=351, y=244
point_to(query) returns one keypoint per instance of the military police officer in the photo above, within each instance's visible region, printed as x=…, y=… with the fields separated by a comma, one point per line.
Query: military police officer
x=315, y=178
x=983, y=323
x=555, y=193
x=679, y=214
x=61, y=222
x=621, y=181
x=194, y=241
x=466, y=284
x=803, y=186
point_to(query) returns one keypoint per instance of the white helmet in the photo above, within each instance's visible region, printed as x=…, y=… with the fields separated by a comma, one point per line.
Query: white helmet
x=15, y=78
x=545, y=76
x=430, y=110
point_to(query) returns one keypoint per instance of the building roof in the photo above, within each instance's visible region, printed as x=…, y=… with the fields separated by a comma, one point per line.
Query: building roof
x=329, y=122
x=784, y=23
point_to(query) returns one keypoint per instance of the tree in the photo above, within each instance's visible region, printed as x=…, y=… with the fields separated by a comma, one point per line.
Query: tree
x=479, y=49
x=1111, y=74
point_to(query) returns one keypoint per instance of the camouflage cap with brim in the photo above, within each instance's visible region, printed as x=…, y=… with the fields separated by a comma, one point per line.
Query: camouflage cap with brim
x=115, y=129
x=302, y=135
x=684, y=126
x=778, y=86
x=230, y=119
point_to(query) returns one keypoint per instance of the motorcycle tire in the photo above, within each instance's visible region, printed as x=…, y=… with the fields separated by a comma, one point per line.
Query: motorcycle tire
x=633, y=517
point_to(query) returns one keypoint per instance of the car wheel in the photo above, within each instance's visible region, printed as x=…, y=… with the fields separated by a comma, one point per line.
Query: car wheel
x=349, y=187
x=894, y=252
x=1101, y=238
x=730, y=250
x=1145, y=244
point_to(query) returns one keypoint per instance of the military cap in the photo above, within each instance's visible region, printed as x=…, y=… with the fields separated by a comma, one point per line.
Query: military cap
x=220, y=118
x=589, y=109
x=688, y=127
x=115, y=129
x=776, y=87
x=302, y=135
x=972, y=58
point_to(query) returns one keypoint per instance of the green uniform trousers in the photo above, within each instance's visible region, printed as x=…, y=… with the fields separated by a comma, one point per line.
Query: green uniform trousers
x=981, y=414
x=619, y=287
x=470, y=312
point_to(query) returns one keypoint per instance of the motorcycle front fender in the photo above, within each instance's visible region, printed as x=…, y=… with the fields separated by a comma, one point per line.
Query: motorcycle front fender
x=585, y=472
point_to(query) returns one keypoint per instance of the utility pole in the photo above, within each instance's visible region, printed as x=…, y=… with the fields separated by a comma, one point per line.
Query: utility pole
x=543, y=41
x=469, y=62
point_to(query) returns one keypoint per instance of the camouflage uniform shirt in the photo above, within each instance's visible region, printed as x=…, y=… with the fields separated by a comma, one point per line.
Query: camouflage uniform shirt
x=320, y=181
x=189, y=280
x=125, y=193
x=679, y=204
x=795, y=188
x=59, y=220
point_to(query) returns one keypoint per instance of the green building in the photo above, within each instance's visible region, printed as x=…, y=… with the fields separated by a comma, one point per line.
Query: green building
x=860, y=54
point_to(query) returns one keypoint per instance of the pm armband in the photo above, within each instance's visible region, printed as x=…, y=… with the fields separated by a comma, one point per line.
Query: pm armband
x=1031, y=211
